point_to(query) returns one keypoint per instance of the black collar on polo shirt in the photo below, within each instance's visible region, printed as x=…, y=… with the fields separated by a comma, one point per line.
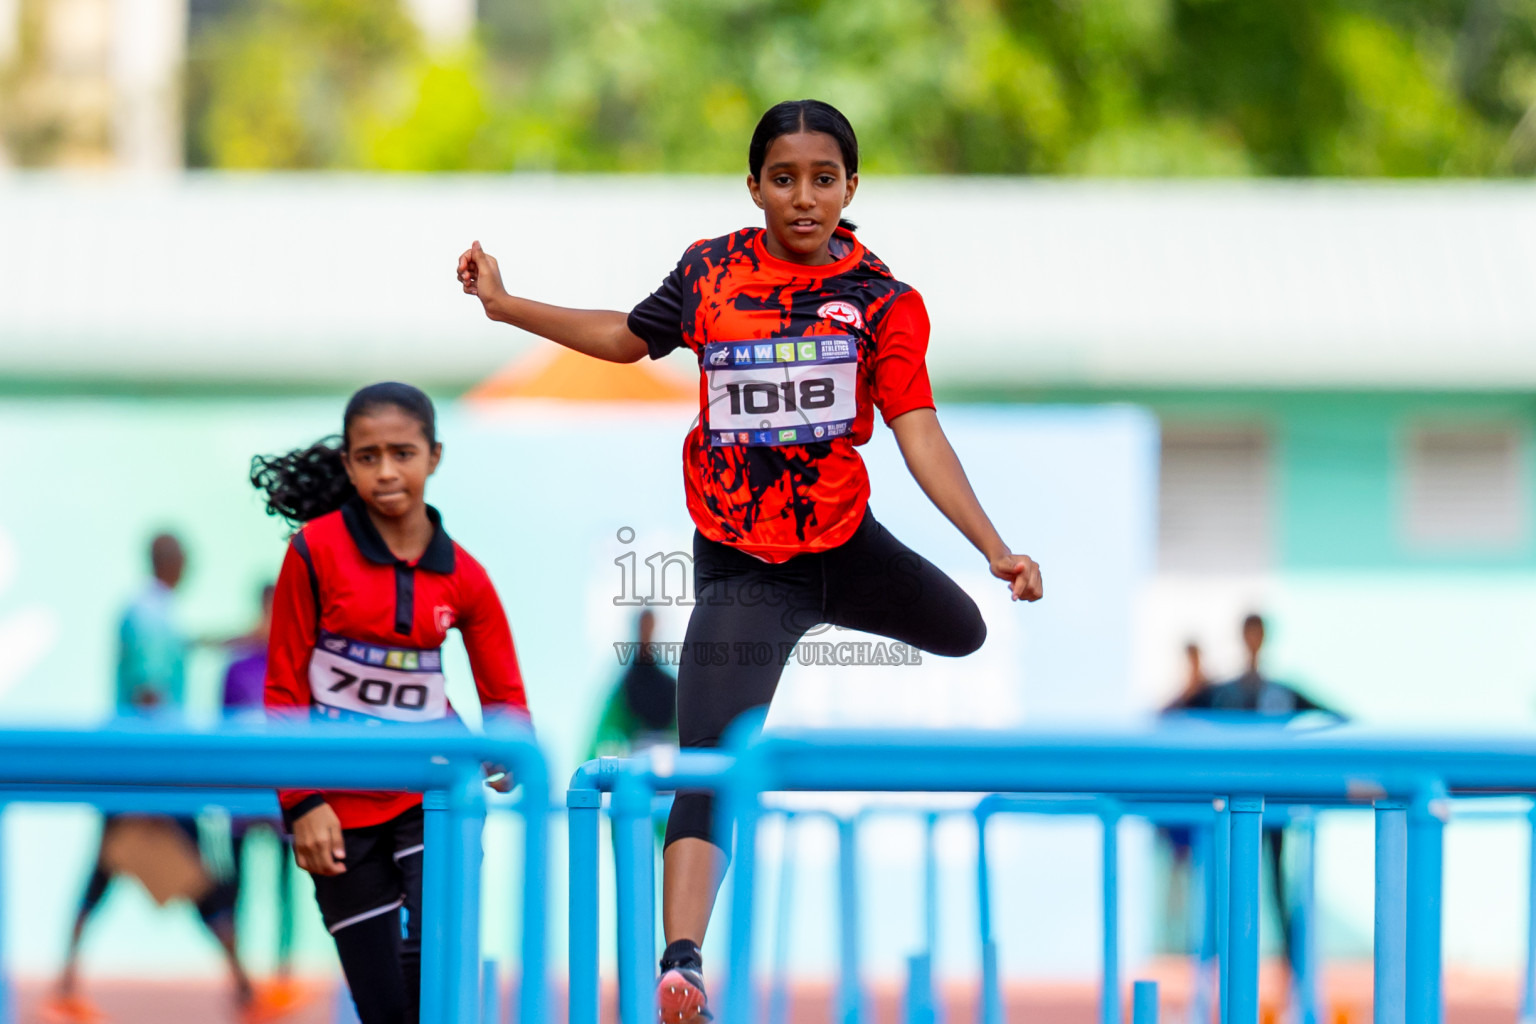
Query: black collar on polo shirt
x=437, y=558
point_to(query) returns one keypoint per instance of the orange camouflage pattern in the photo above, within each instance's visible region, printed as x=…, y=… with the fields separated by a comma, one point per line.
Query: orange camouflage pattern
x=777, y=502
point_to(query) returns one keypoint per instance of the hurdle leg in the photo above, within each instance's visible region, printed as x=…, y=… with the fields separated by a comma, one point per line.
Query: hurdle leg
x=1144, y=1003
x=1202, y=912
x=466, y=822
x=450, y=918
x=1109, y=996
x=850, y=1001
x=1390, y=952
x=778, y=1007
x=1243, y=911
x=991, y=982
x=436, y=894
x=1304, y=920
x=922, y=1006
x=1528, y=978
x=740, y=804
x=1221, y=872
x=533, y=991
x=583, y=812
x=490, y=993
x=635, y=870
x=1426, y=836
x=6, y=1010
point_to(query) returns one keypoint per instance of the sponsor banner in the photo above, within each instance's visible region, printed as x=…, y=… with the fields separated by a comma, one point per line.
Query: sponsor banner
x=827, y=348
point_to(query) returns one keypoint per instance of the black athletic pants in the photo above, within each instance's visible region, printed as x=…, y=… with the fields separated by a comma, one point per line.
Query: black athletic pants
x=751, y=615
x=362, y=908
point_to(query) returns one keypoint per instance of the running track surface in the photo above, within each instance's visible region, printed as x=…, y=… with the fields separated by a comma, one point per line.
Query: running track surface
x=1471, y=999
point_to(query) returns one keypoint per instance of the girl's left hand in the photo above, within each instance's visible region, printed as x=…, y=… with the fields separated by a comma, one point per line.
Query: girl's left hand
x=1022, y=574
x=480, y=275
x=497, y=777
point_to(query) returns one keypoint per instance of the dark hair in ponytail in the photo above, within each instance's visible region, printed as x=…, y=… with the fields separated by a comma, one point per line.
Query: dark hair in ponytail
x=306, y=483
x=794, y=116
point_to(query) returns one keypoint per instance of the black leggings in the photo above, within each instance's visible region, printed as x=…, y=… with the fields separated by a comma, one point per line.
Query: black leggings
x=751, y=615
x=373, y=911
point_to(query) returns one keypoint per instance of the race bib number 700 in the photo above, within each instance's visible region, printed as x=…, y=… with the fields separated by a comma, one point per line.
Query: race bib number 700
x=349, y=678
x=781, y=391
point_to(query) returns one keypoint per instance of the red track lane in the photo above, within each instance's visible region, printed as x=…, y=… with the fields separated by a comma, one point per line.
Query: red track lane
x=1471, y=998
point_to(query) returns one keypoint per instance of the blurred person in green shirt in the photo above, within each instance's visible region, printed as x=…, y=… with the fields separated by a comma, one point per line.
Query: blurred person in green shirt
x=641, y=712
x=152, y=650
x=642, y=709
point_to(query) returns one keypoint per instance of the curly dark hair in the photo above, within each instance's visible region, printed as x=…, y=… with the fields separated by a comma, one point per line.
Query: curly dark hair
x=307, y=483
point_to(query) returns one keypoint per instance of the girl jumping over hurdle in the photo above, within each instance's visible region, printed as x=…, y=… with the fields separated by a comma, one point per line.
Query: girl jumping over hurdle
x=369, y=588
x=800, y=335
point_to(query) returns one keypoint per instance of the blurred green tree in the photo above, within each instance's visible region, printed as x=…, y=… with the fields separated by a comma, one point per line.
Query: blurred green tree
x=1096, y=87
x=290, y=83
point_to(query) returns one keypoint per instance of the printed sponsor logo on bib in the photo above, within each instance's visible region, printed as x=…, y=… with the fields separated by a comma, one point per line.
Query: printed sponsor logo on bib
x=349, y=678
x=782, y=392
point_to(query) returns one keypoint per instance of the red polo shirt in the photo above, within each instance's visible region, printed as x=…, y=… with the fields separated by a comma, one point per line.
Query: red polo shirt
x=345, y=604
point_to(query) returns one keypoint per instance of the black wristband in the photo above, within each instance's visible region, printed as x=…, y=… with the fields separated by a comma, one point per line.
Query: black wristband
x=298, y=810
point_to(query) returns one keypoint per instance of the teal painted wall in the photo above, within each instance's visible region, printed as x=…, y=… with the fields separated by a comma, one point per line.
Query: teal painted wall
x=1340, y=471
x=1337, y=460
x=539, y=494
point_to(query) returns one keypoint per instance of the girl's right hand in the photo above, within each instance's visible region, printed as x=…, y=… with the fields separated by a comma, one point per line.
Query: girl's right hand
x=317, y=842
x=481, y=275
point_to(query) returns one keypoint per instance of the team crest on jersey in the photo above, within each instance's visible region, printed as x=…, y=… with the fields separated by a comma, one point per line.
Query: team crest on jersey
x=444, y=617
x=843, y=313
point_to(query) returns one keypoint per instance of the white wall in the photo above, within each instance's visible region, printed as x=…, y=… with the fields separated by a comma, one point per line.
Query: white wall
x=1029, y=282
x=149, y=45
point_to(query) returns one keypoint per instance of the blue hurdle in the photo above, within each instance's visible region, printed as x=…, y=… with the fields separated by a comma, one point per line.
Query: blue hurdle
x=1202, y=817
x=141, y=766
x=850, y=994
x=1256, y=765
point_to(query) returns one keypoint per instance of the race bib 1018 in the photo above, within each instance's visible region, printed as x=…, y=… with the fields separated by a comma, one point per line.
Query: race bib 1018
x=781, y=391
x=349, y=678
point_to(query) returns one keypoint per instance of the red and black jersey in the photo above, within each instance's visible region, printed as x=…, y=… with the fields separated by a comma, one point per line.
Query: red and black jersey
x=793, y=360
x=357, y=635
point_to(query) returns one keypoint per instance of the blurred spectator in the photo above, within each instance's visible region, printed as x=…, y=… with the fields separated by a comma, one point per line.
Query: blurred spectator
x=1180, y=837
x=1253, y=693
x=245, y=682
x=1195, y=680
x=642, y=709
x=162, y=852
x=151, y=650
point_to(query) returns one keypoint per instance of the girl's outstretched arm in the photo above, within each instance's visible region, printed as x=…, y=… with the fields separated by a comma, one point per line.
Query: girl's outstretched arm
x=937, y=470
x=603, y=333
